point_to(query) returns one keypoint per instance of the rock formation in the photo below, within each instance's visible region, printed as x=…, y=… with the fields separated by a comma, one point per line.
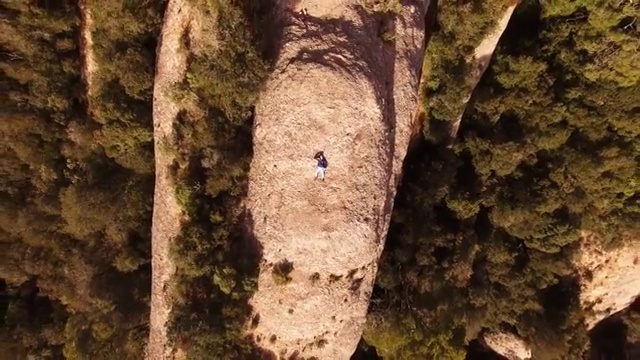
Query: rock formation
x=610, y=280
x=345, y=82
x=86, y=43
x=508, y=345
x=170, y=70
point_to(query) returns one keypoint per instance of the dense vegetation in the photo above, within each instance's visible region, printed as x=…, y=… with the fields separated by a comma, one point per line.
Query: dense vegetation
x=76, y=181
x=485, y=230
x=216, y=256
x=453, y=32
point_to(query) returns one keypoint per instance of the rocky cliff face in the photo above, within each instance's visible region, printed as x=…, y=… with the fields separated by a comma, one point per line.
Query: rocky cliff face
x=345, y=82
x=610, y=280
x=508, y=345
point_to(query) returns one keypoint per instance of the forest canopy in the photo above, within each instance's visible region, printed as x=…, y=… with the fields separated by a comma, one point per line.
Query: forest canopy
x=77, y=179
x=76, y=183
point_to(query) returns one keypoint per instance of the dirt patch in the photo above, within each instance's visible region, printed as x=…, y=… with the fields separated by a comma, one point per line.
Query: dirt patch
x=345, y=82
x=170, y=71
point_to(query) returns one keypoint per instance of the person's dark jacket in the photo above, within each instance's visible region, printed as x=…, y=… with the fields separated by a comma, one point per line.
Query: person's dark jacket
x=322, y=162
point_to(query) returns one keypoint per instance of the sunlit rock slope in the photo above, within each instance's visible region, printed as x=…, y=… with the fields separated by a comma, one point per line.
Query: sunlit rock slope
x=345, y=82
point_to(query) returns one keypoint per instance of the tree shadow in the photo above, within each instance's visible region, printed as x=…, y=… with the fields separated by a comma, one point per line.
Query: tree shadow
x=476, y=350
x=249, y=252
x=127, y=291
x=608, y=340
x=266, y=27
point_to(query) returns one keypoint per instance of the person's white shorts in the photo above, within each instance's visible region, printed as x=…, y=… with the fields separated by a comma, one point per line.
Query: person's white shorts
x=320, y=172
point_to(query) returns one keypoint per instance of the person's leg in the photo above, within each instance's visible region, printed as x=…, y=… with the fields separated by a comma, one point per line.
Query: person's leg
x=318, y=173
x=323, y=172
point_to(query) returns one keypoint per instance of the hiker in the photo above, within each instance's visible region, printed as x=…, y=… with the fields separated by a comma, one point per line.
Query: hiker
x=322, y=165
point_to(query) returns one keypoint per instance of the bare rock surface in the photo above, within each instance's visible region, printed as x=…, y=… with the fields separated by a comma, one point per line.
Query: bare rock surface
x=508, y=345
x=610, y=279
x=337, y=87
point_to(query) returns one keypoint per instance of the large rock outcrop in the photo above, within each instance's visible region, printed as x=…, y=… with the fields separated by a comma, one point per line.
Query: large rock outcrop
x=610, y=279
x=508, y=345
x=345, y=82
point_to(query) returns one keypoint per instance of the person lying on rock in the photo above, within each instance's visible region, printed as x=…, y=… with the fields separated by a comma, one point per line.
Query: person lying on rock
x=321, y=170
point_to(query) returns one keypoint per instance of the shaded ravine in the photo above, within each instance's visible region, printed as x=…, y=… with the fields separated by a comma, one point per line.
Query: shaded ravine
x=338, y=86
x=167, y=214
x=505, y=344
